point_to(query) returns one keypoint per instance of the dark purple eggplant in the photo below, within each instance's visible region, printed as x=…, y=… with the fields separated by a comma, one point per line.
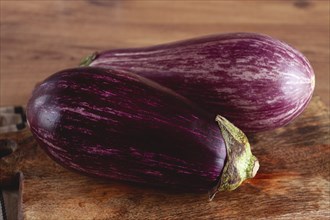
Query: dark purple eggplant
x=255, y=81
x=121, y=126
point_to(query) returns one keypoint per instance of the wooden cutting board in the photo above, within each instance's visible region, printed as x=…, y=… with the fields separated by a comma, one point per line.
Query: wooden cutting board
x=293, y=182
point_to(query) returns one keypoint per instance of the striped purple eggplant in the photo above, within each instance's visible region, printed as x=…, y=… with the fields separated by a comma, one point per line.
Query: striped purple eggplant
x=121, y=126
x=257, y=82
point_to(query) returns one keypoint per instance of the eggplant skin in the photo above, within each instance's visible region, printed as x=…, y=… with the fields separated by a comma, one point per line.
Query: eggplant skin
x=255, y=81
x=120, y=126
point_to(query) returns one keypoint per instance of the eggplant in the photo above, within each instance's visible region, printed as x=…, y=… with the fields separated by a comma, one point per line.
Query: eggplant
x=118, y=125
x=255, y=81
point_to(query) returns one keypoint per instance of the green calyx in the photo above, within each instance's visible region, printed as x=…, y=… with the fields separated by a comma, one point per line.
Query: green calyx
x=88, y=59
x=241, y=163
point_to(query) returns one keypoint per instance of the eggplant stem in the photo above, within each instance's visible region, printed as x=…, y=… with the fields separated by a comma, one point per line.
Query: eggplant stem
x=88, y=59
x=241, y=163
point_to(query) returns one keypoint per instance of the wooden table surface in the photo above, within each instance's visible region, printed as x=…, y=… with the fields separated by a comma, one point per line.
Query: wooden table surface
x=293, y=182
x=39, y=38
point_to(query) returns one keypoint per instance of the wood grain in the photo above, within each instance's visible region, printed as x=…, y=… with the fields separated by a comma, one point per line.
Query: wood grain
x=293, y=182
x=39, y=38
